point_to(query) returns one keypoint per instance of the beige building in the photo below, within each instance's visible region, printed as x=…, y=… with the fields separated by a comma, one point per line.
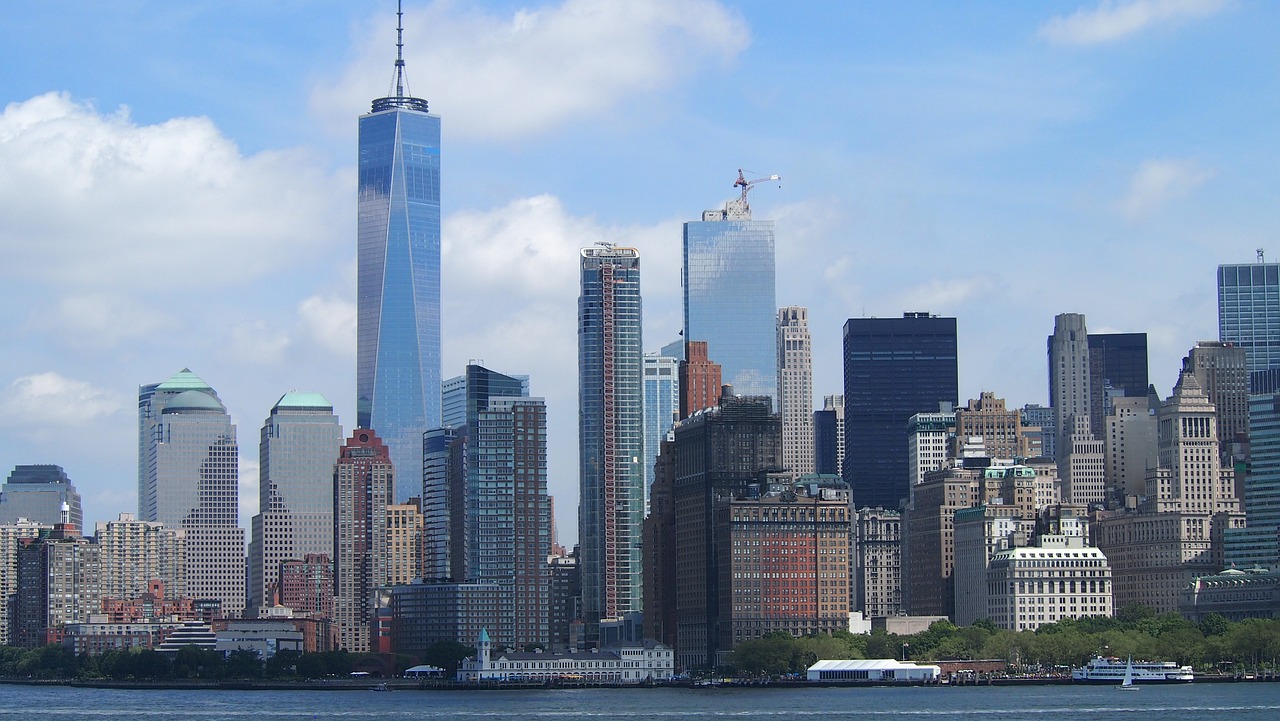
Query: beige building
x=999, y=427
x=1177, y=531
x=877, y=565
x=1222, y=370
x=1060, y=577
x=134, y=553
x=981, y=533
x=928, y=442
x=795, y=389
x=1082, y=464
x=404, y=542
x=1130, y=446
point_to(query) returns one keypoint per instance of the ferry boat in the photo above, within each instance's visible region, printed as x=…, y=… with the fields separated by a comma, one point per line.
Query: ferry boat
x=1110, y=670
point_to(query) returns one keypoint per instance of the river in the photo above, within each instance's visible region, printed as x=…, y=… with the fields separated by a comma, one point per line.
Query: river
x=1193, y=702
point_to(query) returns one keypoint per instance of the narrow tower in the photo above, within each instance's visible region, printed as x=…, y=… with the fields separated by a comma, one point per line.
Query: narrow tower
x=398, y=303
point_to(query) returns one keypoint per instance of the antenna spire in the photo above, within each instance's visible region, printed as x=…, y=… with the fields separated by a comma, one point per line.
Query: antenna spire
x=401, y=99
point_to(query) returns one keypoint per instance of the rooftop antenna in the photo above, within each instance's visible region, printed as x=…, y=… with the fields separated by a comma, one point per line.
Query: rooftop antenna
x=1260, y=260
x=400, y=99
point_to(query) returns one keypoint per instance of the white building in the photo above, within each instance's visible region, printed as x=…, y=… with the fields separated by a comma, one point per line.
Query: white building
x=928, y=436
x=636, y=664
x=873, y=669
x=1061, y=578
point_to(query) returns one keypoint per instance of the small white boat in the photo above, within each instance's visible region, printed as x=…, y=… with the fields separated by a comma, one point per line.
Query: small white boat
x=1127, y=684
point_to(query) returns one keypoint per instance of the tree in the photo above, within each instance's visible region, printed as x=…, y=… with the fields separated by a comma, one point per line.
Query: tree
x=1214, y=624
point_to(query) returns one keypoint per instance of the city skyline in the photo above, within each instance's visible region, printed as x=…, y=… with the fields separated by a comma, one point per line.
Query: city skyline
x=991, y=163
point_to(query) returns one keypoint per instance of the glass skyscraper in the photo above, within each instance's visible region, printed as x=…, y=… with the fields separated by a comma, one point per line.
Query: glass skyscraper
x=37, y=493
x=398, y=325
x=1249, y=311
x=661, y=408
x=610, y=433
x=729, y=301
x=894, y=368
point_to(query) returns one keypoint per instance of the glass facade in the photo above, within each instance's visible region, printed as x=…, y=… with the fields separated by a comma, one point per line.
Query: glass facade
x=729, y=301
x=1258, y=544
x=1249, y=311
x=37, y=493
x=398, y=305
x=894, y=368
x=661, y=409
x=610, y=433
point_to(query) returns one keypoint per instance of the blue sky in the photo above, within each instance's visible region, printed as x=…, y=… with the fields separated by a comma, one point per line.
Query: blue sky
x=177, y=187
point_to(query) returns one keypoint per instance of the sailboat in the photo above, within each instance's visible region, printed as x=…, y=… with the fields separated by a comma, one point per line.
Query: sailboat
x=1128, y=684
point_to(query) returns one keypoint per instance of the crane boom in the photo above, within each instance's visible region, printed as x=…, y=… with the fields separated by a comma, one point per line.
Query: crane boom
x=741, y=204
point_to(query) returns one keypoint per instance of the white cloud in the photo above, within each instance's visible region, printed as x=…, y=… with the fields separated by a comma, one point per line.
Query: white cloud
x=517, y=75
x=330, y=321
x=1111, y=21
x=1157, y=182
x=97, y=201
x=51, y=399
x=101, y=320
x=943, y=296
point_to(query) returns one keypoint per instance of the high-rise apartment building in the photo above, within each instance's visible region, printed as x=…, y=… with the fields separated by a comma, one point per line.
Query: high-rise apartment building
x=296, y=452
x=828, y=436
x=362, y=481
x=59, y=582
x=610, y=433
x=189, y=479
x=404, y=542
x=11, y=535
x=37, y=493
x=1249, y=311
x=795, y=389
x=700, y=379
x=729, y=297
x=398, y=342
x=894, y=368
x=135, y=553
x=661, y=408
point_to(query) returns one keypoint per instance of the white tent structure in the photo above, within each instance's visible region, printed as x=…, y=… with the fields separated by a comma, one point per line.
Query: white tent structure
x=873, y=669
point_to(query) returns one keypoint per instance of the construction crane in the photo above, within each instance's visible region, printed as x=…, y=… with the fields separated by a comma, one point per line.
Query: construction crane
x=742, y=182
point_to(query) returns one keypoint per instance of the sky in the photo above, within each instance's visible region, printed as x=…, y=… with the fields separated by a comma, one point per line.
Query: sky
x=177, y=186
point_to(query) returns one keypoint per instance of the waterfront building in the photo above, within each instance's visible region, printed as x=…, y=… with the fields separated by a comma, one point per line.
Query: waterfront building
x=877, y=563
x=398, y=343
x=36, y=493
x=11, y=535
x=1059, y=577
x=661, y=408
x=1235, y=594
x=189, y=479
x=894, y=368
x=929, y=442
x=700, y=379
x=979, y=533
x=795, y=389
x=828, y=435
x=1249, y=311
x=729, y=298
x=618, y=664
x=1178, y=531
x=136, y=554
x=363, y=479
x=565, y=625
x=296, y=451
x=425, y=613
x=611, y=434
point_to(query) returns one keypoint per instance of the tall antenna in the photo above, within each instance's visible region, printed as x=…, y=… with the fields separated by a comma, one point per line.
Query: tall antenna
x=399, y=48
x=401, y=100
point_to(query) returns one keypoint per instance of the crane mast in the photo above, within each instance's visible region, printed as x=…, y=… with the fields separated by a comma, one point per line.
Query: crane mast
x=741, y=208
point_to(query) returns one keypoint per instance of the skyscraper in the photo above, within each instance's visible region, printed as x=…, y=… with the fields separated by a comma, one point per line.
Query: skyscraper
x=1070, y=382
x=661, y=408
x=828, y=435
x=398, y=304
x=795, y=389
x=37, y=493
x=362, y=481
x=729, y=301
x=610, y=433
x=1249, y=311
x=894, y=368
x=700, y=378
x=189, y=479
x=1258, y=544
x=298, y=446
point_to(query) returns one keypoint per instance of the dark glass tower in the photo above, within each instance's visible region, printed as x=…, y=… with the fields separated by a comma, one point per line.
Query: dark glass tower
x=1120, y=361
x=610, y=434
x=1249, y=311
x=398, y=325
x=893, y=369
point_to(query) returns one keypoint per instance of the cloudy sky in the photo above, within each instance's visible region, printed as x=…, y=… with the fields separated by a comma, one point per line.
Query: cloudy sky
x=177, y=186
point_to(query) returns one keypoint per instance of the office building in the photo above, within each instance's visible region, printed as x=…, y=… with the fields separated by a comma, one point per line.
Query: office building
x=1130, y=448
x=979, y=533
x=1178, y=531
x=398, y=346
x=877, y=562
x=1118, y=368
x=828, y=436
x=565, y=626
x=930, y=437
x=1258, y=543
x=1057, y=578
x=425, y=613
x=137, y=553
x=37, y=493
x=729, y=299
x=795, y=389
x=363, y=479
x=610, y=434
x=660, y=548
x=1000, y=429
x=661, y=408
x=1249, y=311
x=894, y=368
x=443, y=505
x=1082, y=464
x=1223, y=372
x=189, y=479
x=1041, y=430
x=11, y=535
x=296, y=451
x=700, y=379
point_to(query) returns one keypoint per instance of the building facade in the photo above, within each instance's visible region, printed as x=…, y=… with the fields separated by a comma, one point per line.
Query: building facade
x=1223, y=372
x=398, y=344
x=11, y=535
x=363, y=479
x=189, y=474
x=729, y=296
x=700, y=379
x=36, y=493
x=137, y=553
x=1258, y=543
x=828, y=436
x=661, y=409
x=610, y=433
x=930, y=437
x=894, y=368
x=296, y=452
x=877, y=562
x=1249, y=311
x=795, y=389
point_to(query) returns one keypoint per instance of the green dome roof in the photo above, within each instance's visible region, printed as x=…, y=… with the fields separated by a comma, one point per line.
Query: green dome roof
x=301, y=400
x=193, y=401
x=184, y=380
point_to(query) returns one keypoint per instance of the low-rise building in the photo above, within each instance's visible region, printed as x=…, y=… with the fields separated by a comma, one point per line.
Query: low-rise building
x=623, y=664
x=1235, y=594
x=1059, y=578
x=872, y=670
